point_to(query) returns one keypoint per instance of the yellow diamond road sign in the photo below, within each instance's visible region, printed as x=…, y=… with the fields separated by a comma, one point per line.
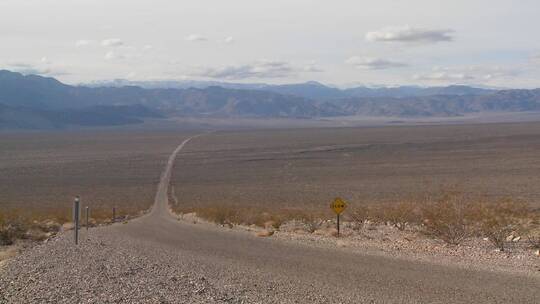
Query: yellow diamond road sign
x=338, y=205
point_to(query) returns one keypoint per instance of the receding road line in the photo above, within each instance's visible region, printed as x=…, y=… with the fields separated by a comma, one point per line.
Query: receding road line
x=296, y=272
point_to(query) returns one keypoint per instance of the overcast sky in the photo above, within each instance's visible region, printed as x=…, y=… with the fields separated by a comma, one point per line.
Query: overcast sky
x=341, y=42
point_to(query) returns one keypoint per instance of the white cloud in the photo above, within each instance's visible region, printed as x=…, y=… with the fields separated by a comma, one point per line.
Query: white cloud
x=312, y=68
x=260, y=69
x=111, y=55
x=45, y=60
x=372, y=63
x=444, y=77
x=409, y=34
x=82, y=43
x=228, y=40
x=468, y=74
x=113, y=42
x=195, y=38
x=34, y=69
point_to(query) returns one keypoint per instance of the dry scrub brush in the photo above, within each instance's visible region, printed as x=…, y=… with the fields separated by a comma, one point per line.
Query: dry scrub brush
x=11, y=229
x=241, y=215
x=449, y=219
x=400, y=214
x=359, y=215
x=453, y=218
x=498, y=220
x=15, y=225
x=32, y=224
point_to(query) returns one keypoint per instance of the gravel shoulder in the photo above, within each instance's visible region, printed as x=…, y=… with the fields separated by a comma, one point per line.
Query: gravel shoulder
x=409, y=245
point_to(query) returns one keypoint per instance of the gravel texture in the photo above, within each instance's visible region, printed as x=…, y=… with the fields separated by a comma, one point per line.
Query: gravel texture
x=103, y=268
x=410, y=244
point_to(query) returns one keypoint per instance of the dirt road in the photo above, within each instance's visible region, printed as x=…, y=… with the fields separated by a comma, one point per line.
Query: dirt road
x=158, y=259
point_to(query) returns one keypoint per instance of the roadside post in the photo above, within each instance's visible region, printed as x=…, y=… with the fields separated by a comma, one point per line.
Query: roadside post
x=338, y=205
x=87, y=211
x=113, y=214
x=76, y=215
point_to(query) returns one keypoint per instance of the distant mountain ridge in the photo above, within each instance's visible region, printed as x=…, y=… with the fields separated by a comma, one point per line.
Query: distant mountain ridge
x=311, y=89
x=39, y=102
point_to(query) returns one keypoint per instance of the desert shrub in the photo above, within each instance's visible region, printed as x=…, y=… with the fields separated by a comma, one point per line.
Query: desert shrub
x=448, y=219
x=359, y=215
x=221, y=215
x=229, y=215
x=398, y=214
x=12, y=229
x=534, y=240
x=498, y=220
x=312, y=221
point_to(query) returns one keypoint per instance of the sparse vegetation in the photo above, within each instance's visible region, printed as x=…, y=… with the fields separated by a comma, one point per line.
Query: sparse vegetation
x=534, y=240
x=452, y=218
x=449, y=218
x=359, y=215
x=228, y=216
x=42, y=172
x=393, y=176
x=398, y=214
x=273, y=177
x=498, y=220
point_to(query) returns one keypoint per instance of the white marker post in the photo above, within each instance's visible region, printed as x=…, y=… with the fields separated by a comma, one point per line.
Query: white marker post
x=76, y=214
x=87, y=211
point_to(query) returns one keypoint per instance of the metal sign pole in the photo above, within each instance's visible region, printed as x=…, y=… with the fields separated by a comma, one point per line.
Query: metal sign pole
x=114, y=214
x=76, y=213
x=338, y=225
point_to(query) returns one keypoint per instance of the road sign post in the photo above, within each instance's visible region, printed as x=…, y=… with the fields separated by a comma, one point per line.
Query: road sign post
x=114, y=214
x=76, y=215
x=338, y=205
x=337, y=225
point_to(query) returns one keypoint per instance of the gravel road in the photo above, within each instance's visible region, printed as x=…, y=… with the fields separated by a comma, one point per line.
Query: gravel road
x=158, y=259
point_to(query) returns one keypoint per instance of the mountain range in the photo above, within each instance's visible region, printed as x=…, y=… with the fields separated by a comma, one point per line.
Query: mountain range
x=312, y=89
x=36, y=102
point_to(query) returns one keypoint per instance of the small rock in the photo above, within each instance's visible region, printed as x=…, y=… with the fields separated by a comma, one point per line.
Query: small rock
x=269, y=225
x=509, y=238
x=36, y=235
x=516, y=239
x=92, y=222
x=320, y=232
x=50, y=225
x=68, y=226
x=332, y=232
x=265, y=233
x=537, y=252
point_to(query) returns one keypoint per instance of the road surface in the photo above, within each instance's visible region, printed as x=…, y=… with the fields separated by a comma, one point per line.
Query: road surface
x=242, y=268
x=345, y=275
